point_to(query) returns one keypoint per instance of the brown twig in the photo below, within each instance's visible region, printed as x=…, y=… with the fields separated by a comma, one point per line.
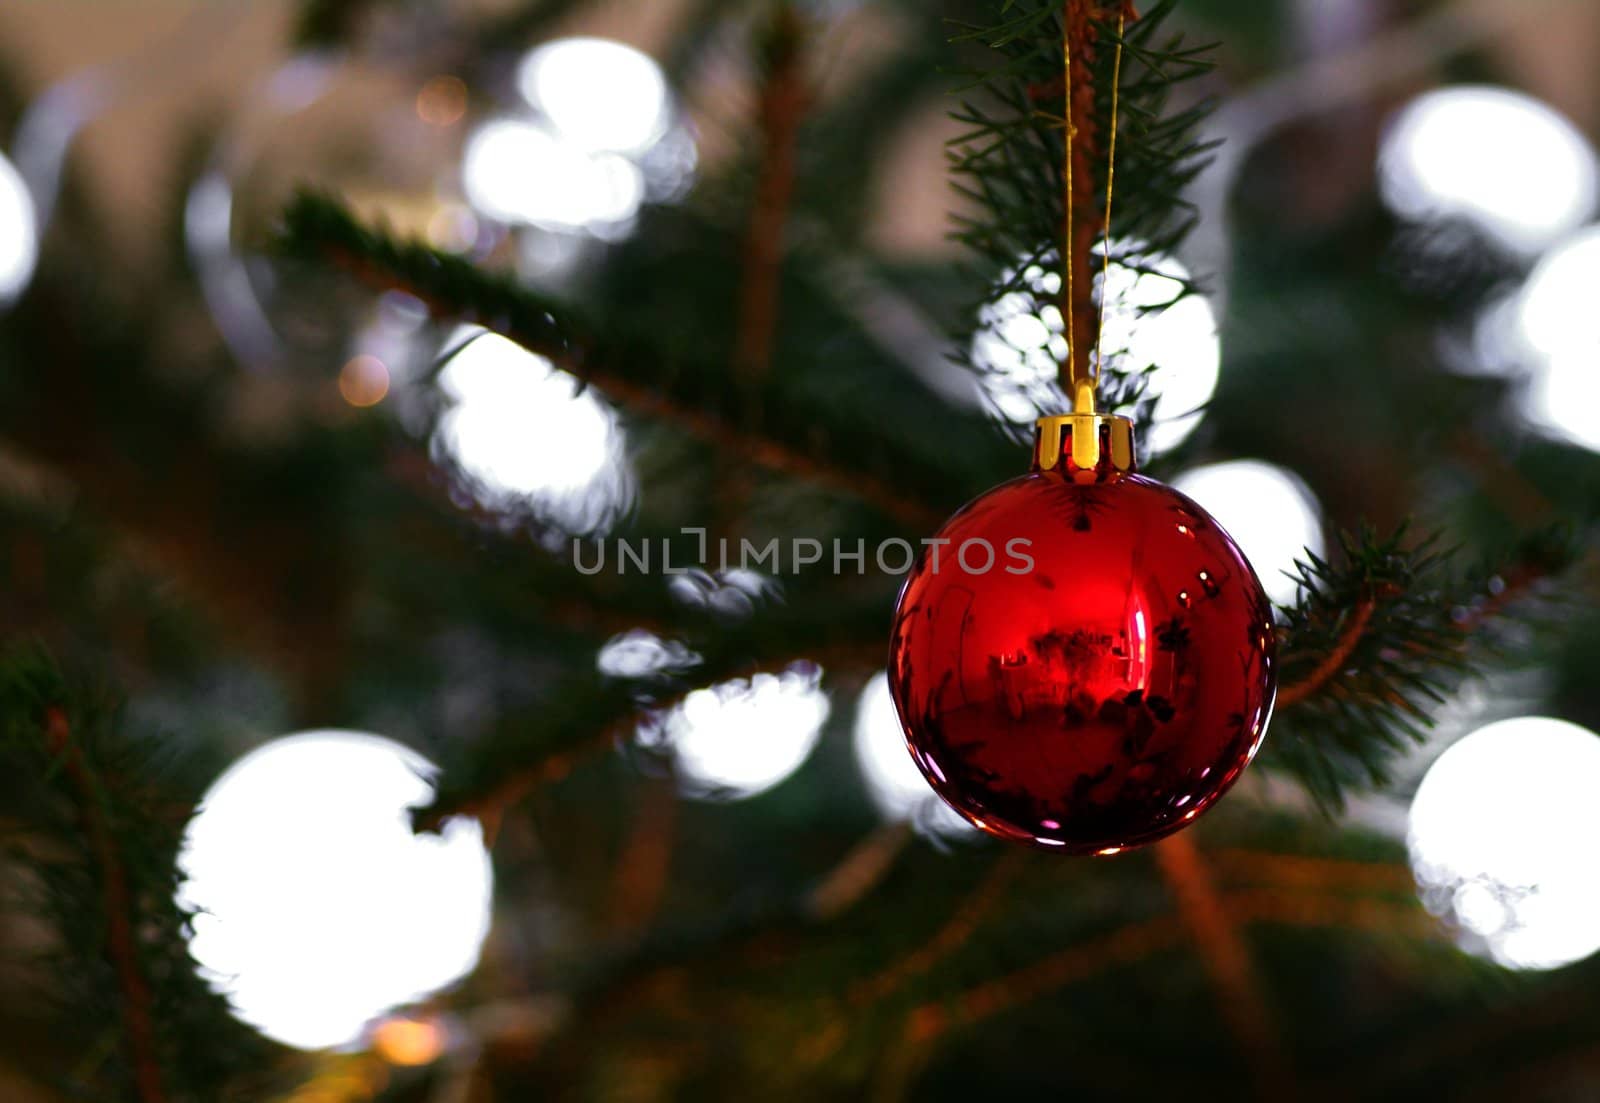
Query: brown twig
x=1128, y=944
x=122, y=944
x=490, y=806
x=642, y=872
x=1227, y=959
x=784, y=97
x=1136, y=942
x=967, y=918
x=1323, y=874
x=1355, y=630
x=861, y=871
x=981, y=901
x=1085, y=154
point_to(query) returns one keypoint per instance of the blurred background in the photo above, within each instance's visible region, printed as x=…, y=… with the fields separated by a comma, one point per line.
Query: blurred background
x=261, y=501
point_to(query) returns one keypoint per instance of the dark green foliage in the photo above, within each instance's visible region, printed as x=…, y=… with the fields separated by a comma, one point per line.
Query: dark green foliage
x=107, y=799
x=1410, y=627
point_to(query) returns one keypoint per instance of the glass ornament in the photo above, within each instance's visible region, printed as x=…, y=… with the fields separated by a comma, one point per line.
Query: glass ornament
x=1082, y=659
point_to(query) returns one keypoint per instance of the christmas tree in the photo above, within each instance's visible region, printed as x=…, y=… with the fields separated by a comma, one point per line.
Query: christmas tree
x=459, y=644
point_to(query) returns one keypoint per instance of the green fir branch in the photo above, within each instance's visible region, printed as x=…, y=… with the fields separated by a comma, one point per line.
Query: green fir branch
x=102, y=832
x=797, y=432
x=591, y=712
x=1379, y=637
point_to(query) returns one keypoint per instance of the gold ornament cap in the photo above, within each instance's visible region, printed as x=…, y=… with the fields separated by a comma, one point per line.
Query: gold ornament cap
x=1091, y=446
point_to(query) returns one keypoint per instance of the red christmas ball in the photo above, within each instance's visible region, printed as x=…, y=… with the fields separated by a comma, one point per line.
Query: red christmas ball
x=1083, y=659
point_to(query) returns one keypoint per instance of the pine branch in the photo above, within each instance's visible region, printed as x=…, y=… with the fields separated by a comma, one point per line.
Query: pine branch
x=106, y=864
x=1350, y=637
x=1011, y=162
x=860, y=464
x=1378, y=639
x=590, y=713
x=122, y=951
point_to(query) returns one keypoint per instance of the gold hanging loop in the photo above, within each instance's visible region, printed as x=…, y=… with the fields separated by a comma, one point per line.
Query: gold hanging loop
x=1085, y=424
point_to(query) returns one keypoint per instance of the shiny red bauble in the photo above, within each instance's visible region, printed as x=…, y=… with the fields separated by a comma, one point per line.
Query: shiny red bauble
x=1099, y=680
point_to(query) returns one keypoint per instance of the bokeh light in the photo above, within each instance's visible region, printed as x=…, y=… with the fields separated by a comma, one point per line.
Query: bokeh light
x=1508, y=164
x=1559, y=328
x=19, y=234
x=641, y=654
x=317, y=909
x=408, y=1042
x=529, y=437
x=1269, y=512
x=896, y=785
x=517, y=171
x=742, y=738
x=1149, y=323
x=599, y=95
x=1502, y=842
x=364, y=381
x=594, y=139
x=733, y=594
x=442, y=101
x=1155, y=325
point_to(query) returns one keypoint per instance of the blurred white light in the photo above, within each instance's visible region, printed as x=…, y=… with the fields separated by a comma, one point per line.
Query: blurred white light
x=19, y=235
x=1148, y=325
x=735, y=593
x=516, y=171
x=317, y=907
x=1020, y=348
x=740, y=739
x=1560, y=329
x=641, y=654
x=1507, y=163
x=1269, y=512
x=527, y=435
x=897, y=787
x=599, y=95
x=1503, y=837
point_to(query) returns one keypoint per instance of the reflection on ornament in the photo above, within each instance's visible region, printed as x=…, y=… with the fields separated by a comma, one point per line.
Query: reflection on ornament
x=1272, y=515
x=317, y=908
x=1501, y=842
x=527, y=436
x=19, y=236
x=1500, y=160
x=1109, y=693
x=739, y=739
x=897, y=787
x=1020, y=344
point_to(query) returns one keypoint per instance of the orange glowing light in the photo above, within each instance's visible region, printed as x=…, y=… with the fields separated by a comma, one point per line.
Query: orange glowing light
x=364, y=381
x=442, y=101
x=409, y=1042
